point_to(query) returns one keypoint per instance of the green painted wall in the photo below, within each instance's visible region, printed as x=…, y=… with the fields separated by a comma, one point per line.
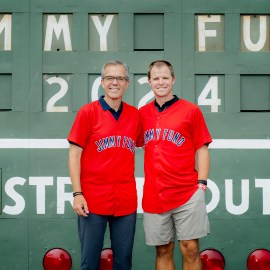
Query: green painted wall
x=51, y=54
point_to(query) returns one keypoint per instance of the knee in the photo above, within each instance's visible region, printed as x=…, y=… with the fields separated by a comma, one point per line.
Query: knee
x=190, y=250
x=165, y=250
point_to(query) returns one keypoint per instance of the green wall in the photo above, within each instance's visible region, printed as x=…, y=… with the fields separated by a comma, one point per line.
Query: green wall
x=51, y=54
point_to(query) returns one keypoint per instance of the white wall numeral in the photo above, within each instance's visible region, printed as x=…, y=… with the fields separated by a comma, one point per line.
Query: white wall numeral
x=95, y=88
x=146, y=98
x=61, y=93
x=212, y=89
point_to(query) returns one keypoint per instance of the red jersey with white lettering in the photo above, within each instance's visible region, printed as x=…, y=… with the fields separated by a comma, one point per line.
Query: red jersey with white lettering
x=107, y=161
x=171, y=139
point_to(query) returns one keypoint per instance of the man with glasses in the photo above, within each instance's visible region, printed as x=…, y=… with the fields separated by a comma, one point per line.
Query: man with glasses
x=101, y=165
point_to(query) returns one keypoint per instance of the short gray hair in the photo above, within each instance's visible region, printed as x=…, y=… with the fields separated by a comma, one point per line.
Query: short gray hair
x=114, y=63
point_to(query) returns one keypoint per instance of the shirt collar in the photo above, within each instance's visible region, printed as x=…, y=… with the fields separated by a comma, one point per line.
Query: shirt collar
x=166, y=104
x=105, y=106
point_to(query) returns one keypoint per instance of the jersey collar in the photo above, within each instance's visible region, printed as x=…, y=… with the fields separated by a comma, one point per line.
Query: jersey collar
x=106, y=107
x=167, y=104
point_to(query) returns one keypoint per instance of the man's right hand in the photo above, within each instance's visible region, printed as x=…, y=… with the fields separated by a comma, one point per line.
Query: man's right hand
x=80, y=206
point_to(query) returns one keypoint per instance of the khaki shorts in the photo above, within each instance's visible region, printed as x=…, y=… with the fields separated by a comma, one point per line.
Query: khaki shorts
x=188, y=222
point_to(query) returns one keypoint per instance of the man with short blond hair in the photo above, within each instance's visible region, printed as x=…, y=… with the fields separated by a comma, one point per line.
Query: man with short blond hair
x=174, y=190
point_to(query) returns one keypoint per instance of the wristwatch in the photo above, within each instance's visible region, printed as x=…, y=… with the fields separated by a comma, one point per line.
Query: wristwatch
x=202, y=184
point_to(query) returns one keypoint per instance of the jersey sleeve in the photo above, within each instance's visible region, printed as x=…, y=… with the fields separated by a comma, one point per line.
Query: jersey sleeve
x=80, y=129
x=140, y=138
x=200, y=132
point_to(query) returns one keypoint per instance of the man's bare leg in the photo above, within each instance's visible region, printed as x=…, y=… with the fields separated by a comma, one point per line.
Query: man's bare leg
x=191, y=255
x=164, y=257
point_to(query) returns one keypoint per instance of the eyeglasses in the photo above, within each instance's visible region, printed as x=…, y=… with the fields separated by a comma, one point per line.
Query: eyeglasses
x=111, y=79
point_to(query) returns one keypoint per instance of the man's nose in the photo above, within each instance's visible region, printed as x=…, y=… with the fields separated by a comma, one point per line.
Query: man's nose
x=160, y=81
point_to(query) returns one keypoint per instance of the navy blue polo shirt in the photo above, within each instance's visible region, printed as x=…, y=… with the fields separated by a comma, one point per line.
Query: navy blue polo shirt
x=106, y=107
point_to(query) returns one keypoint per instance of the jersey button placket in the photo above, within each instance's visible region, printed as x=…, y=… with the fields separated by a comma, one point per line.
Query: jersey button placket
x=158, y=122
x=156, y=150
x=157, y=154
x=156, y=138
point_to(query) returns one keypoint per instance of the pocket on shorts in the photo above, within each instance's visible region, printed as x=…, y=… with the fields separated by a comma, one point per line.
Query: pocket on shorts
x=200, y=194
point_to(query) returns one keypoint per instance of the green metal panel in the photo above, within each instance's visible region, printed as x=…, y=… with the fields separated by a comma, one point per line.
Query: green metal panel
x=5, y=94
x=255, y=93
x=14, y=237
x=51, y=233
x=45, y=87
x=148, y=31
x=20, y=62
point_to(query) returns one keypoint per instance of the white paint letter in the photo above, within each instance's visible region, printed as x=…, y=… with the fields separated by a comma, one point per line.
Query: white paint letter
x=265, y=185
x=203, y=33
x=41, y=183
x=215, y=196
x=103, y=30
x=63, y=196
x=5, y=24
x=17, y=198
x=57, y=27
x=139, y=186
x=243, y=207
x=254, y=47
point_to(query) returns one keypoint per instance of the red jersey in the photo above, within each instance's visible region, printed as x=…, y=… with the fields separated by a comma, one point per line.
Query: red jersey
x=107, y=161
x=171, y=139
